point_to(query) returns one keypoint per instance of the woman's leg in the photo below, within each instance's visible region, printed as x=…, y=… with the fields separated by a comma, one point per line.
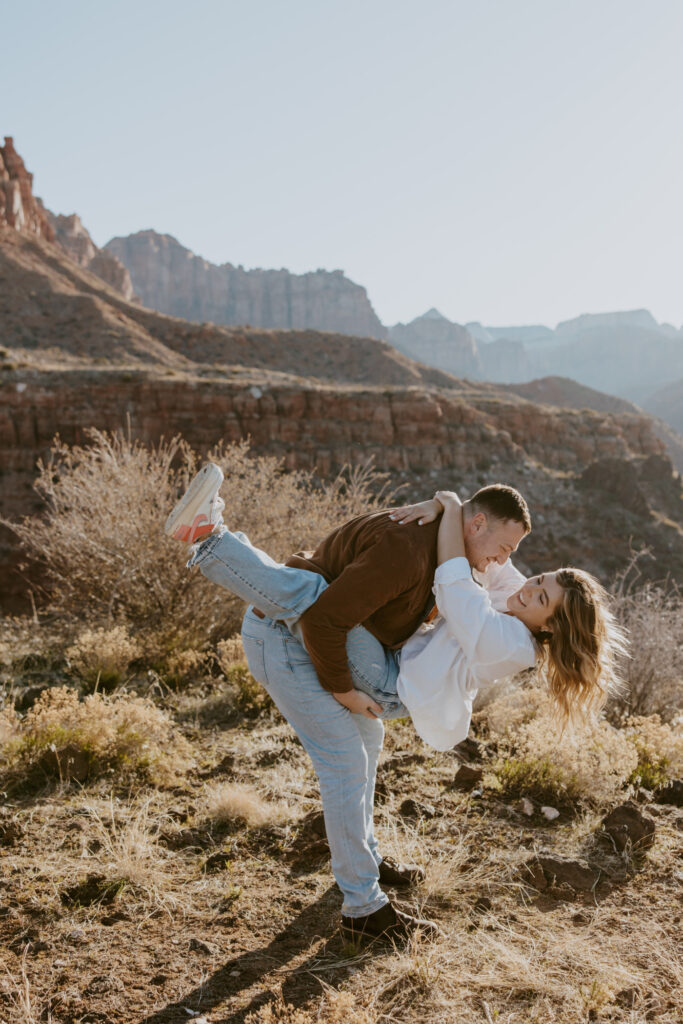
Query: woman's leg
x=280, y=592
x=230, y=560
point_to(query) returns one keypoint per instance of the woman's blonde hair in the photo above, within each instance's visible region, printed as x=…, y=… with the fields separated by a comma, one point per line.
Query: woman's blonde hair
x=581, y=646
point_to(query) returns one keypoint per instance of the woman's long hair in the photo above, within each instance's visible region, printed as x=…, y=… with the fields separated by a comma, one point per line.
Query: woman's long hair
x=581, y=646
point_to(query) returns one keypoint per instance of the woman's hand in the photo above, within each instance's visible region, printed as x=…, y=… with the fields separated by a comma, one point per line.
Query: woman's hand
x=424, y=511
x=448, y=498
x=359, y=703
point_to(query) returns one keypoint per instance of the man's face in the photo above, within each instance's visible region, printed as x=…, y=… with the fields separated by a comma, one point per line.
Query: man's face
x=491, y=540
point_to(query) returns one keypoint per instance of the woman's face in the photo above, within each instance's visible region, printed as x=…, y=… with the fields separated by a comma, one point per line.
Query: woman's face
x=536, y=600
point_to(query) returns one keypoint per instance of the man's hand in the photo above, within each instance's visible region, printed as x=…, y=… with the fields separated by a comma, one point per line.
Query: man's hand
x=447, y=498
x=424, y=511
x=358, y=703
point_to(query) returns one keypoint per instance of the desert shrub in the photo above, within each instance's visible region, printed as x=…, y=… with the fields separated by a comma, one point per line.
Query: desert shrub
x=101, y=537
x=102, y=656
x=653, y=675
x=588, y=763
x=62, y=737
x=659, y=746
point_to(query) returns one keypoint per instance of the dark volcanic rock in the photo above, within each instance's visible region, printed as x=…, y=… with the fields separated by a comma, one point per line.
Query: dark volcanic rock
x=414, y=809
x=547, y=869
x=467, y=777
x=628, y=826
x=672, y=793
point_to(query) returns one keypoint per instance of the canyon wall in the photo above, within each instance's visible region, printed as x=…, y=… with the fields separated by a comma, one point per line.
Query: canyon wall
x=172, y=279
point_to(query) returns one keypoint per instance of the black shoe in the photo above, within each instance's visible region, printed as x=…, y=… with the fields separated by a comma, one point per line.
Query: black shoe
x=399, y=875
x=389, y=924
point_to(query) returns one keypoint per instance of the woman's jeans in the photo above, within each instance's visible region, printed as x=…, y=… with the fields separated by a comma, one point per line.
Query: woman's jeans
x=343, y=747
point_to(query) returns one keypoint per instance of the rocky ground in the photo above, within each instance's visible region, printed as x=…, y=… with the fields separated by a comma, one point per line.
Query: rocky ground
x=212, y=898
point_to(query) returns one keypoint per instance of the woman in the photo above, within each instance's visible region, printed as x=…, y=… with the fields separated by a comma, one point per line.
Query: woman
x=558, y=620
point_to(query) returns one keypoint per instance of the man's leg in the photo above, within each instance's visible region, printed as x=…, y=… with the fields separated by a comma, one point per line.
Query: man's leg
x=331, y=737
x=372, y=735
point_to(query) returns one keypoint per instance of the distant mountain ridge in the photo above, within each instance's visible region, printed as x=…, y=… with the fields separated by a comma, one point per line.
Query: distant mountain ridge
x=627, y=354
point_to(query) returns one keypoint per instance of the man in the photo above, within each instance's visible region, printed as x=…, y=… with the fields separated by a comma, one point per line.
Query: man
x=379, y=574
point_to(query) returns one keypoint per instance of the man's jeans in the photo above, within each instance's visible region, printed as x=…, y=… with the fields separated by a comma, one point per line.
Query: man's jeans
x=344, y=747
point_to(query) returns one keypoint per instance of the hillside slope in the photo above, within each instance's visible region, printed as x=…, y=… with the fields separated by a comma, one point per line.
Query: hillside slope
x=77, y=355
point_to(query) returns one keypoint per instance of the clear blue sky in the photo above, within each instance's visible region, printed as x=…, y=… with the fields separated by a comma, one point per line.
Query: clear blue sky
x=509, y=161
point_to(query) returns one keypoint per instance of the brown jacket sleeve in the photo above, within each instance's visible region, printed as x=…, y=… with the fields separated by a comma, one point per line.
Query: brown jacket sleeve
x=378, y=575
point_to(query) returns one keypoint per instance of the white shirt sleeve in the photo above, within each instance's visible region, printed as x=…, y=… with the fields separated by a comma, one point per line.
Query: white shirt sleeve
x=495, y=644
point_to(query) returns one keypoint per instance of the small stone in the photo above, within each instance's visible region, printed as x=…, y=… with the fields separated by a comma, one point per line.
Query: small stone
x=413, y=809
x=203, y=947
x=550, y=812
x=526, y=806
x=467, y=777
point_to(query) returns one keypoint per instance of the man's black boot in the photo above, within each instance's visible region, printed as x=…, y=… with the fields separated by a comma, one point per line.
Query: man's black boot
x=399, y=875
x=387, y=923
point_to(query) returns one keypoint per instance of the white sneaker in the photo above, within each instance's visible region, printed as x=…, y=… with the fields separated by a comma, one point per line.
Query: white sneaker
x=198, y=512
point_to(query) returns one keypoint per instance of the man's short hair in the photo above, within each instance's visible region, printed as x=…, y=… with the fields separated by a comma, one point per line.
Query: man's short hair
x=502, y=502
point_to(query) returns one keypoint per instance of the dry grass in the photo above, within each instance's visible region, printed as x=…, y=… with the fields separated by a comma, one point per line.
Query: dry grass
x=126, y=837
x=588, y=763
x=230, y=801
x=17, y=995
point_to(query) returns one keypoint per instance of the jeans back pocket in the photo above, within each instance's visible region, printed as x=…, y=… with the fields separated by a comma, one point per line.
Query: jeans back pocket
x=253, y=649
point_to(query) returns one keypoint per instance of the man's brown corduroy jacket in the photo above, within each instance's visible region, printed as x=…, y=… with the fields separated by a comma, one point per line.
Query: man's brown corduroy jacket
x=380, y=576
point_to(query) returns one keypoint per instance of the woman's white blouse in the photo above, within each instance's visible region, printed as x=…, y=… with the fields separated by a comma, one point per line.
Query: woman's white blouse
x=469, y=645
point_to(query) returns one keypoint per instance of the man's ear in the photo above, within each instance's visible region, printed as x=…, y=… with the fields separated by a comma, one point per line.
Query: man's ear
x=478, y=523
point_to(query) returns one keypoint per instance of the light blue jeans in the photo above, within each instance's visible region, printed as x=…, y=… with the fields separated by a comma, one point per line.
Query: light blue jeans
x=343, y=747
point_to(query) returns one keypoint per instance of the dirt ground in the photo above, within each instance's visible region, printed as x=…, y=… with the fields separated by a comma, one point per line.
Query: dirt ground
x=140, y=906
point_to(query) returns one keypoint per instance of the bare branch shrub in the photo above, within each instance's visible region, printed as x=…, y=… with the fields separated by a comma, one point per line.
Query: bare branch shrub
x=101, y=537
x=653, y=675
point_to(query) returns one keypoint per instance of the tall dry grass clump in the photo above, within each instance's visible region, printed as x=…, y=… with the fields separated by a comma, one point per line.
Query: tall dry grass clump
x=64, y=738
x=101, y=538
x=653, y=676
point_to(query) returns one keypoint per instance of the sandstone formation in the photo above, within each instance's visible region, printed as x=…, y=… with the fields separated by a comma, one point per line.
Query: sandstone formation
x=76, y=241
x=19, y=209
x=171, y=279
